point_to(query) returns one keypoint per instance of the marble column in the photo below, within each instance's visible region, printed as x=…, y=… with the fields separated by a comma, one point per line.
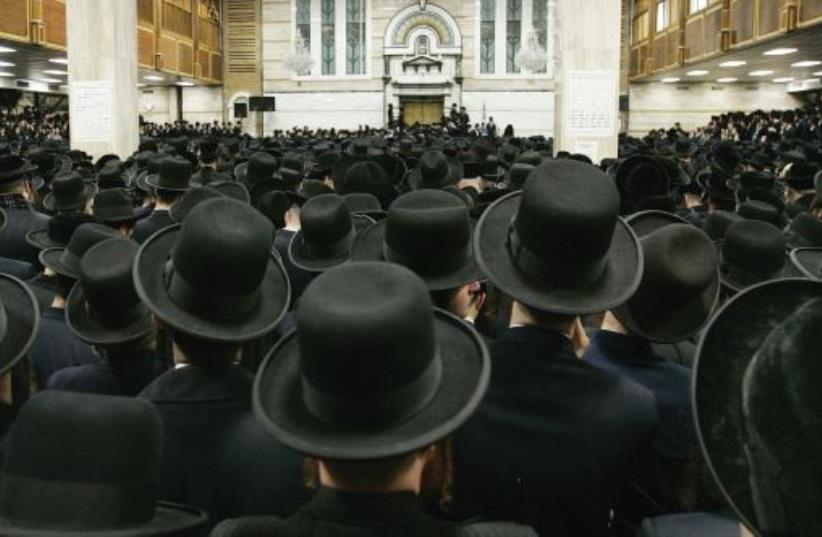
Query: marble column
x=102, y=56
x=587, y=77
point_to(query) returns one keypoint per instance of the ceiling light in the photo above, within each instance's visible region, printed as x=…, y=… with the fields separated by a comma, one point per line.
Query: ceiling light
x=781, y=51
x=6, y=50
x=61, y=61
x=807, y=63
x=783, y=80
x=6, y=64
x=698, y=72
x=5, y=73
x=153, y=77
x=727, y=80
x=818, y=74
x=734, y=63
x=50, y=80
x=55, y=72
x=761, y=73
x=185, y=84
x=670, y=80
x=140, y=85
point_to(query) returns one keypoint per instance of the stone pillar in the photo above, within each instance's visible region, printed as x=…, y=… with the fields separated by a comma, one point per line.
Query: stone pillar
x=102, y=56
x=587, y=77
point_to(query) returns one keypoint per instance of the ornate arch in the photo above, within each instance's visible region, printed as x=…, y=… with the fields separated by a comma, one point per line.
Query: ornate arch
x=405, y=27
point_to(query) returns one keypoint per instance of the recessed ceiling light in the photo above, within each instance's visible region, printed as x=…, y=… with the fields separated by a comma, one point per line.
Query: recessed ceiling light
x=734, y=63
x=783, y=80
x=727, y=80
x=670, y=80
x=818, y=74
x=154, y=77
x=781, y=51
x=61, y=61
x=807, y=63
x=140, y=85
x=6, y=50
x=761, y=73
x=50, y=80
x=55, y=72
x=6, y=64
x=698, y=72
x=5, y=73
x=185, y=84
x=811, y=81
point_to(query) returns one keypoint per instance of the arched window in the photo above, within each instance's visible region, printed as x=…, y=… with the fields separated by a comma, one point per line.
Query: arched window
x=422, y=48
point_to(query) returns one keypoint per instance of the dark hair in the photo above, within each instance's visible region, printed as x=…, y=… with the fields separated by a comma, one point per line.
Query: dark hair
x=370, y=473
x=203, y=352
x=442, y=299
x=168, y=196
x=547, y=318
x=63, y=285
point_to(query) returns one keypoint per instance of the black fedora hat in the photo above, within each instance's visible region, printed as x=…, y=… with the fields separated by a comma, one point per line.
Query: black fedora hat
x=152, y=169
x=684, y=147
x=19, y=320
x=69, y=191
x=363, y=203
x=808, y=262
x=174, y=174
x=435, y=170
x=716, y=224
x=58, y=231
x=103, y=308
x=421, y=372
x=559, y=245
x=114, y=206
x=214, y=276
x=260, y=166
x=232, y=189
x=327, y=231
x=804, y=231
x=112, y=175
x=14, y=167
x=518, y=174
x=751, y=252
x=428, y=231
x=680, y=281
x=368, y=177
x=66, y=260
x=760, y=210
x=80, y=464
x=640, y=179
x=733, y=340
x=191, y=199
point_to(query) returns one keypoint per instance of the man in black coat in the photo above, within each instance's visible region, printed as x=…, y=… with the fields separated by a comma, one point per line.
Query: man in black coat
x=172, y=181
x=21, y=218
x=217, y=456
x=556, y=440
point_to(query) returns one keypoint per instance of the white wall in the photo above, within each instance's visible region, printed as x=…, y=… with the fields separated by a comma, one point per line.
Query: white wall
x=318, y=109
x=657, y=105
x=203, y=104
x=157, y=105
x=530, y=112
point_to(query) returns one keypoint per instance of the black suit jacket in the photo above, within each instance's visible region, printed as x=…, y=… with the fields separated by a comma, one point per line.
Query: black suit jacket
x=56, y=347
x=298, y=277
x=217, y=456
x=20, y=220
x=555, y=441
x=157, y=220
x=336, y=513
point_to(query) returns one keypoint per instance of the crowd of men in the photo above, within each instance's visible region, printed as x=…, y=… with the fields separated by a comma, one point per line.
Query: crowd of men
x=32, y=126
x=411, y=332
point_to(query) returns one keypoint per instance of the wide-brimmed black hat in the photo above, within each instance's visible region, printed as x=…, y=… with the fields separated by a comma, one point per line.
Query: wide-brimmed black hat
x=751, y=252
x=112, y=175
x=79, y=465
x=14, y=167
x=103, y=308
x=69, y=191
x=717, y=222
x=760, y=210
x=114, y=206
x=58, y=231
x=808, y=262
x=327, y=231
x=232, y=189
x=737, y=336
x=680, y=281
x=420, y=372
x=804, y=231
x=152, y=169
x=435, y=170
x=517, y=175
x=190, y=200
x=684, y=147
x=428, y=231
x=66, y=260
x=725, y=156
x=364, y=203
x=640, y=179
x=19, y=320
x=214, y=276
x=370, y=178
x=260, y=166
x=528, y=243
x=174, y=174
x=800, y=175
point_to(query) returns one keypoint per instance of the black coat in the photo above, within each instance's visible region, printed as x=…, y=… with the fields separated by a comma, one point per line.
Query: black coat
x=555, y=441
x=56, y=347
x=20, y=220
x=124, y=374
x=298, y=277
x=217, y=456
x=332, y=512
x=157, y=220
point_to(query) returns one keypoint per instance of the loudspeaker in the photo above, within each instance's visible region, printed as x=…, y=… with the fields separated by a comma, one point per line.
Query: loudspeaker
x=262, y=104
x=240, y=110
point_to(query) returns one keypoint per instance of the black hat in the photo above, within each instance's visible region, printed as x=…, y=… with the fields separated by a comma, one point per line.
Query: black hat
x=214, y=276
x=684, y=147
x=174, y=174
x=808, y=262
x=151, y=171
x=800, y=176
x=88, y=465
x=105, y=159
x=715, y=183
x=804, y=231
x=260, y=166
x=363, y=203
x=13, y=168
x=232, y=189
x=19, y=319
x=749, y=180
x=428, y=231
x=103, y=308
x=741, y=334
x=435, y=170
x=68, y=192
x=752, y=251
x=191, y=199
x=725, y=156
x=66, y=261
x=518, y=174
x=420, y=372
x=112, y=175
x=680, y=281
x=327, y=231
x=760, y=210
x=530, y=243
x=639, y=180
x=114, y=206
x=58, y=231
x=370, y=178
x=716, y=224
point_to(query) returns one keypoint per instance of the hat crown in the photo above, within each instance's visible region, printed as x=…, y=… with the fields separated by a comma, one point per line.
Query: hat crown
x=114, y=200
x=519, y=174
x=807, y=227
x=86, y=236
x=261, y=164
x=680, y=262
x=717, y=223
x=175, y=173
x=325, y=219
x=106, y=275
x=433, y=167
x=82, y=462
x=372, y=318
x=754, y=246
x=67, y=185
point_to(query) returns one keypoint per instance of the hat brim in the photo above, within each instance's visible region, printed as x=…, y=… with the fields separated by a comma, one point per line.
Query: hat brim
x=727, y=347
x=455, y=173
x=87, y=328
x=50, y=202
x=619, y=280
x=22, y=317
x=142, y=182
x=170, y=519
x=298, y=251
x=278, y=401
x=153, y=181
x=369, y=246
x=17, y=174
x=736, y=285
x=40, y=239
x=51, y=258
x=149, y=266
x=808, y=261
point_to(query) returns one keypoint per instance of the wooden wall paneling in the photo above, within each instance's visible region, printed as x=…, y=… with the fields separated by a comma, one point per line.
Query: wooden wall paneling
x=167, y=48
x=694, y=38
x=713, y=28
x=634, y=62
x=54, y=24
x=659, y=44
x=810, y=11
x=217, y=67
x=185, y=54
x=672, y=50
x=769, y=12
x=743, y=21
x=145, y=12
x=177, y=20
x=15, y=19
x=146, y=47
x=203, y=64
